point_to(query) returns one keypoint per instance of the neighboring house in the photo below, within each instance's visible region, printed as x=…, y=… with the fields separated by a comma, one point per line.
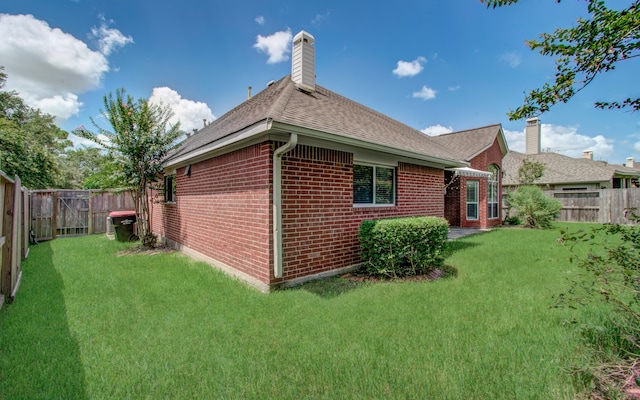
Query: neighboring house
x=472, y=197
x=274, y=191
x=566, y=173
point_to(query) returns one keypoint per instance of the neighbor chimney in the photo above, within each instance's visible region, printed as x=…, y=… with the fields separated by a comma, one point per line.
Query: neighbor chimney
x=630, y=163
x=588, y=154
x=532, y=135
x=303, y=70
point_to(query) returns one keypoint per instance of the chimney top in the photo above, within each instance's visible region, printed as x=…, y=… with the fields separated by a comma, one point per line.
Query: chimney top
x=532, y=134
x=303, y=70
x=630, y=162
x=588, y=154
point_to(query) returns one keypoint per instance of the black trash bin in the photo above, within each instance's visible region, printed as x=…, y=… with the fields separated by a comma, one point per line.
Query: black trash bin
x=123, y=223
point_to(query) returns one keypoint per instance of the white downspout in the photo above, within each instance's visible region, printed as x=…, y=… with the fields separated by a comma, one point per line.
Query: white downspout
x=277, y=202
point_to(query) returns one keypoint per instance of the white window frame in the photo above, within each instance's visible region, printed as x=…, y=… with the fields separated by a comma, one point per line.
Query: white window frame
x=393, y=189
x=468, y=202
x=493, y=188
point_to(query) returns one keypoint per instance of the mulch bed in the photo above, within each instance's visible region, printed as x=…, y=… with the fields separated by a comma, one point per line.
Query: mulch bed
x=359, y=277
x=145, y=251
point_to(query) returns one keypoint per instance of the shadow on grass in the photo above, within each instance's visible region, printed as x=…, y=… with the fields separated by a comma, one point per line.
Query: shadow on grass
x=458, y=244
x=330, y=287
x=40, y=357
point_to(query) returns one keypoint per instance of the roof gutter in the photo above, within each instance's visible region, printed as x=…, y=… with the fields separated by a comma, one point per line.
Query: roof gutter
x=277, y=202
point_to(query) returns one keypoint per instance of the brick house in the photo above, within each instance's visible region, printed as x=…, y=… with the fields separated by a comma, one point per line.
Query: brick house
x=567, y=173
x=472, y=197
x=274, y=191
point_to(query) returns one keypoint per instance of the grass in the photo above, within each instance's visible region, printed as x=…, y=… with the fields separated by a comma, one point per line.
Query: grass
x=89, y=325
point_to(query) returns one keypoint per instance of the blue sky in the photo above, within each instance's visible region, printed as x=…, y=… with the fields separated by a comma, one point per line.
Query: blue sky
x=434, y=65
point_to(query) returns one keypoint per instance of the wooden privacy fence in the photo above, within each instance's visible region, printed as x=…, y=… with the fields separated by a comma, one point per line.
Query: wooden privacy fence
x=66, y=213
x=14, y=234
x=603, y=206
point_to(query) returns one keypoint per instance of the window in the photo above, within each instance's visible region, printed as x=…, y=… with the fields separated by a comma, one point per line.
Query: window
x=492, y=204
x=373, y=185
x=170, y=188
x=472, y=199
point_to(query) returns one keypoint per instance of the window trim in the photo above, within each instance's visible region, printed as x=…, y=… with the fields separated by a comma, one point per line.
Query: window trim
x=393, y=189
x=476, y=202
x=170, y=196
x=496, y=191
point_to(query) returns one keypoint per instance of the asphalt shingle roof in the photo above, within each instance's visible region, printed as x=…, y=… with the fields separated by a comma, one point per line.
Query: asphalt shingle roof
x=322, y=110
x=563, y=169
x=468, y=144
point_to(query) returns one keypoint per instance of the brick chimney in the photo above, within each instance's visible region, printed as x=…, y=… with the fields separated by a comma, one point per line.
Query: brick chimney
x=532, y=134
x=303, y=60
x=588, y=154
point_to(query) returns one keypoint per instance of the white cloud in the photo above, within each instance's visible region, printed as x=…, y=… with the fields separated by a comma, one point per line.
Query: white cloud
x=409, y=68
x=319, y=18
x=109, y=39
x=276, y=46
x=636, y=146
x=190, y=113
x=426, y=93
x=437, y=130
x=512, y=59
x=564, y=140
x=453, y=88
x=48, y=67
x=260, y=20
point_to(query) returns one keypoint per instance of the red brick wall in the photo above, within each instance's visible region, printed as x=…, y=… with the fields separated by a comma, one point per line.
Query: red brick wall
x=320, y=223
x=492, y=155
x=223, y=210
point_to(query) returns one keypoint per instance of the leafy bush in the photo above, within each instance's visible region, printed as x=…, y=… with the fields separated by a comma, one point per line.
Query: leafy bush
x=400, y=247
x=530, y=204
x=512, y=221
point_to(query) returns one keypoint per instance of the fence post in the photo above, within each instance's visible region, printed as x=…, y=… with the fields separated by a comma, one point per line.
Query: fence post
x=7, y=249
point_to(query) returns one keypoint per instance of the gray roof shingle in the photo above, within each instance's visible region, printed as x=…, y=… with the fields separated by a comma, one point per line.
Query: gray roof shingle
x=563, y=169
x=469, y=143
x=322, y=110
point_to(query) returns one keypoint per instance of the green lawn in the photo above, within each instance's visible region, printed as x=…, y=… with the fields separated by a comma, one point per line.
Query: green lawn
x=89, y=324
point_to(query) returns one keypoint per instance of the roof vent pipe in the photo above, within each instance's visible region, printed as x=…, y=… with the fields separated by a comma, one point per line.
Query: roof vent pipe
x=248, y=92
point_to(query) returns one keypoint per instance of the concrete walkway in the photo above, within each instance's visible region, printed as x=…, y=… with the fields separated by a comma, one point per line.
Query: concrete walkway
x=455, y=233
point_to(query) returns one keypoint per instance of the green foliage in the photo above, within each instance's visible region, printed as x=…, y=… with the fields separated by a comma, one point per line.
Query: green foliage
x=530, y=171
x=593, y=46
x=530, y=204
x=140, y=138
x=512, y=221
x=400, y=247
x=30, y=142
x=90, y=168
x=611, y=277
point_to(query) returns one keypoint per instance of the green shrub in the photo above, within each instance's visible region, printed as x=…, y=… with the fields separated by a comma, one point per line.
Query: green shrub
x=400, y=247
x=512, y=221
x=530, y=204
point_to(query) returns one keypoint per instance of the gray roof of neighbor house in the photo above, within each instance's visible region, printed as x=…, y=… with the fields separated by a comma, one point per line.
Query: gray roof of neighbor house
x=321, y=111
x=560, y=169
x=468, y=144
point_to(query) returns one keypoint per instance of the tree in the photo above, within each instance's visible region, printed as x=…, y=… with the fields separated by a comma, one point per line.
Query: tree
x=90, y=168
x=531, y=205
x=30, y=142
x=594, y=46
x=141, y=138
x=530, y=171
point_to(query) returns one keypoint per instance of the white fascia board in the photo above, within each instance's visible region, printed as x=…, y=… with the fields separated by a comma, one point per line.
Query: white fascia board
x=207, y=151
x=361, y=148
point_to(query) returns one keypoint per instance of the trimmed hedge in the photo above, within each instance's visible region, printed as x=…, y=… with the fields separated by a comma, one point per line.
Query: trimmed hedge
x=400, y=247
